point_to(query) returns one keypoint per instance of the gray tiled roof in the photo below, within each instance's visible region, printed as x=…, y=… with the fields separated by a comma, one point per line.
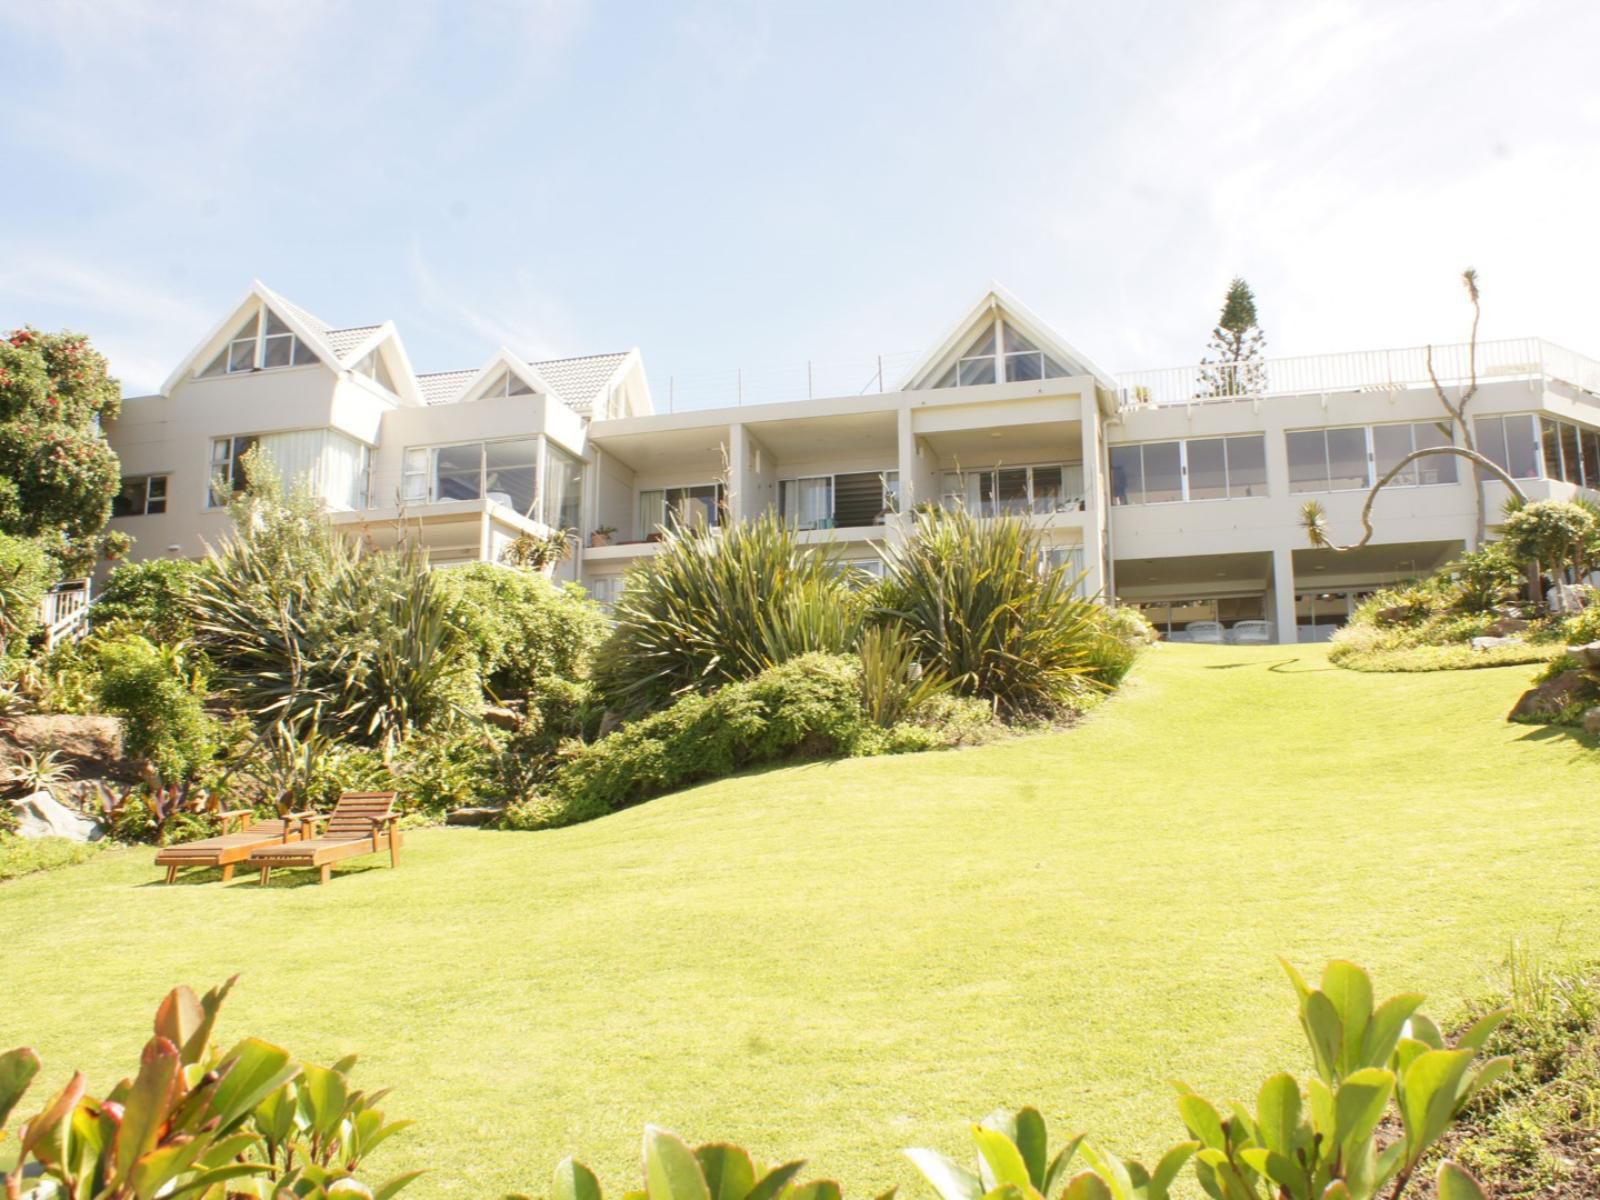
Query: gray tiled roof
x=579, y=380
x=441, y=387
x=345, y=340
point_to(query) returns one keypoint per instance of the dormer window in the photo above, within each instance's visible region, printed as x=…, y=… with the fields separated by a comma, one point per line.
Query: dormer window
x=1017, y=360
x=262, y=342
x=507, y=384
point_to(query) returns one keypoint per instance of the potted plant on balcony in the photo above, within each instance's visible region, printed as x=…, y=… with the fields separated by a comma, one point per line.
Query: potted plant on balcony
x=541, y=552
x=602, y=535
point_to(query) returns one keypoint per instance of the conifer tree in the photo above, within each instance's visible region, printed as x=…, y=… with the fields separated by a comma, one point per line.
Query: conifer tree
x=1233, y=364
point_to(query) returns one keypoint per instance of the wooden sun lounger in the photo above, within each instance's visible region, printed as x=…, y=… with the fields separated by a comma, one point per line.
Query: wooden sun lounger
x=361, y=823
x=232, y=848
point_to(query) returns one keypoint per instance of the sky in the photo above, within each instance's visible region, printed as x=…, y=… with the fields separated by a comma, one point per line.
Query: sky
x=748, y=187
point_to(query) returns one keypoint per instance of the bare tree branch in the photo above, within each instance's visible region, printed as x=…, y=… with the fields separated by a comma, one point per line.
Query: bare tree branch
x=1314, y=518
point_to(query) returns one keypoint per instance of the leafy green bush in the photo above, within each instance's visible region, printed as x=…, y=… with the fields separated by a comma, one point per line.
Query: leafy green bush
x=717, y=606
x=1555, y=533
x=894, y=685
x=988, y=611
x=26, y=573
x=809, y=706
x=153, y=596
x=1120, y=634
x=158, y=693
x=1481, y=580
x=523, y=628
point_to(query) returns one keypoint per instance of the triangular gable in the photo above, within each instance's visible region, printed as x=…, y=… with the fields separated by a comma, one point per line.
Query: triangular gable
x=939, y=361
x=301, y=324
x=501, y=362
x=386, y=339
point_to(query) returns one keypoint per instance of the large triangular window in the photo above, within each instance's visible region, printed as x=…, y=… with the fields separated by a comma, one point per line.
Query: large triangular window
x=1015, y=358
x=261, y=343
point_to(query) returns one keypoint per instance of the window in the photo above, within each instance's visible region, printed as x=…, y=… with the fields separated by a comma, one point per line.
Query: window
x=1018, y=359
x=507, y=384
x=1570, y=452
x=1217, y=468
x=807, y=503
x=504, y=472
x=372, y=366
x=1151, y=473
x=1391, y=443
x=1327, y=460
x=262, y=342
x=1510, y=443
x=1057, y=487
x=563, y=488
x=227, y=471
x=698, y=505
x=141, y=495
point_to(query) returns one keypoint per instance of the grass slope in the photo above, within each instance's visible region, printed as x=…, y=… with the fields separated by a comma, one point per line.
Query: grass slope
x=840, y=960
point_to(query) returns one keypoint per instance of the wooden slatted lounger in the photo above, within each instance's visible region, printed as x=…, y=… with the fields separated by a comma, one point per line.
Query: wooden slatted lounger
x=356, y=826
x=232, y=848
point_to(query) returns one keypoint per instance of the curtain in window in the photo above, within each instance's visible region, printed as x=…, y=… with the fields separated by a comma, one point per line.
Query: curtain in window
x=652, y=512
x=563, y=488
x=344, y=472
x=298, y=457
x=807, y=503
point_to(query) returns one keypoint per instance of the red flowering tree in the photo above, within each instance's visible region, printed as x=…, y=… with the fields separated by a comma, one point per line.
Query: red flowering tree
x=57, y=474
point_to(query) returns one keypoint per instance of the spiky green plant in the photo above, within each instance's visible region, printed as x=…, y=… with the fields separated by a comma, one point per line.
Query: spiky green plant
x=894, y=684
x=988, y=610
x=716, y=606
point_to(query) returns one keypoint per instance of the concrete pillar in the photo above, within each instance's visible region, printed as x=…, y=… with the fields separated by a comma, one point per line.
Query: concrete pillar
x=906, y=458
x=738, y=473
x=1284, y=629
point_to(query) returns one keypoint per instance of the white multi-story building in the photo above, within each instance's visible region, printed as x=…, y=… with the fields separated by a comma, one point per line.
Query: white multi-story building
x=1163, y=494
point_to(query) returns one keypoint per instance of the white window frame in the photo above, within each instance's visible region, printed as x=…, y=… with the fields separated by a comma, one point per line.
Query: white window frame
x=718, y=498
x=230, y=461
x=1325, y=430
x=149, y=481
x=1033, y=495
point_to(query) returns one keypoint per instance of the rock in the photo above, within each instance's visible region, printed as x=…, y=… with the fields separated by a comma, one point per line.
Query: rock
x=503, y=718
x=91, y=745
x=1505, y=627
x=41, y=815
x=474, y=816
x=1492, y=643
x=1553, y=697
x=1588, y=655
x=1591, y=721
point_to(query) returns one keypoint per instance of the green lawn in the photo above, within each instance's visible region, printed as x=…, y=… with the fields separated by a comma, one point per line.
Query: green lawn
x=840, y=960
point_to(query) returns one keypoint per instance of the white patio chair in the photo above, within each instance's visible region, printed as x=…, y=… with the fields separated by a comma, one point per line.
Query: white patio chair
x=1251, y=633
x=1204, y=631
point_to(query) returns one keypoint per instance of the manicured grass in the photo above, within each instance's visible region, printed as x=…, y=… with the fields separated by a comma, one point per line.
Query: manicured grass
x=1447, y=658
x=839, y=960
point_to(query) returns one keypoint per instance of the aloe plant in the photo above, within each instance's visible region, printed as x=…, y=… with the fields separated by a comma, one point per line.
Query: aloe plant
x=190, y=1122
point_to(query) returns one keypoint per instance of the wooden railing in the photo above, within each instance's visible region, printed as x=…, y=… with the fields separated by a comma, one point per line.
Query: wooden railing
x=64, y=612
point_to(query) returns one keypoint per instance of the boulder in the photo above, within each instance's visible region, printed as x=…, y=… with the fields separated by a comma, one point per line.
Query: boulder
x=502, y=718
x=474, y=816
x=1505, y=627
x=1550, y=699
x=41, y=815
x=1493, y=643
x=1588, y=655
x=91, y=745
x=1591, y=722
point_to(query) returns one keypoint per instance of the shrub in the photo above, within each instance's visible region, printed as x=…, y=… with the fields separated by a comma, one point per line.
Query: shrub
x=301, y=623
x=23, y=856
x=894, y=685
x=154, y=597
x=1555, y=533
x=26, y=573
x=524, y=629
x=719, y=606
x=809, y=706
x=990, y=613
x=1481, y=580
x=159, y=696
x=1120, y=634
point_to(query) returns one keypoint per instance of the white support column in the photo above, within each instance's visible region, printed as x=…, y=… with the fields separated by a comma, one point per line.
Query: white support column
x=906, y=458
x=738, y=460
x=538, y=482
x=1284, y=629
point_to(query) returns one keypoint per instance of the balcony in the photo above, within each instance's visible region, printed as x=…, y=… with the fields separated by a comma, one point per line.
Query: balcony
x=1360, y=371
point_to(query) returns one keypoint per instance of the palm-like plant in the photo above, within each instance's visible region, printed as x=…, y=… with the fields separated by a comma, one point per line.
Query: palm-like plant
x=716, y=606
x=988, y=610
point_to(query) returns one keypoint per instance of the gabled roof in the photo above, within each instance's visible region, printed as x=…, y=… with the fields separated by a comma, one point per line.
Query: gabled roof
x=938, y=360
x=578, y=381
x=344, y=341
x=441, y=387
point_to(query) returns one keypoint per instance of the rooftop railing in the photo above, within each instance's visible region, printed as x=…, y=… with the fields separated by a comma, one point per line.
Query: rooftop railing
x=1358, y=371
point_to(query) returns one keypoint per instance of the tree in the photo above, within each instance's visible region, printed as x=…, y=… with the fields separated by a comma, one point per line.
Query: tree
x=1314, y=518
x=57, y=473
x=1233, y=365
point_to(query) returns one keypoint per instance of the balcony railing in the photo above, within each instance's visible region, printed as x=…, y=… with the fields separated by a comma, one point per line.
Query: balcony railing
x=1359, y=371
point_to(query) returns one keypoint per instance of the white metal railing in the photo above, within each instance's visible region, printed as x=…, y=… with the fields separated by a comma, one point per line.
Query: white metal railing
x=64, y=612
x=722, y=387
x=1361, y=371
